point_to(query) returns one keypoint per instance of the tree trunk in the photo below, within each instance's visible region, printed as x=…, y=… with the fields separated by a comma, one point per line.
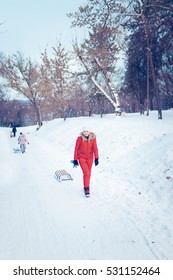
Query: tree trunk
x=155, y=87
x=148, y=85
x=152, y=67
x=38, y=115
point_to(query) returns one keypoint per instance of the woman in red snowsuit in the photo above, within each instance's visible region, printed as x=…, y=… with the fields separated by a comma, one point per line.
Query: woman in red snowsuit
x=85, y=152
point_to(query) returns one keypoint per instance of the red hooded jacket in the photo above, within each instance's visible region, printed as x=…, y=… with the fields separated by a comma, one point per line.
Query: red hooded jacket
x=86, y=148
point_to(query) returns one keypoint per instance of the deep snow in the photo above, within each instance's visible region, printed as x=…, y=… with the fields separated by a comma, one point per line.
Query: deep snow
x=130, y=212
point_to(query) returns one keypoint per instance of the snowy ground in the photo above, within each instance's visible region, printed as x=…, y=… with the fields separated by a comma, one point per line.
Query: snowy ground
x=130, y=212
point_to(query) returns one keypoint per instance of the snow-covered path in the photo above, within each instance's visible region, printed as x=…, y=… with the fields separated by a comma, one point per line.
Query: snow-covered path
x=44, y=219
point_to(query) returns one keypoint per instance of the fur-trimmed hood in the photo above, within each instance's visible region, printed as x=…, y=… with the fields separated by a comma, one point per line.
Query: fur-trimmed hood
x=91, y=136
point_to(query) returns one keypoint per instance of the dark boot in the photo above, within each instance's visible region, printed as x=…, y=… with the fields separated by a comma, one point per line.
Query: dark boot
x=87, y=191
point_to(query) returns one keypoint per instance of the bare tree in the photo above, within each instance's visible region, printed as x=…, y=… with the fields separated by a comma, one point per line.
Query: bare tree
x=104, y=85
x=56, y=78
x=98, y=53
x=24, y=77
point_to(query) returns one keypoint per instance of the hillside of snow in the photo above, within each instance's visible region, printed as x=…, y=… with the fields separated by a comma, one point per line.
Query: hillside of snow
x=130, y=211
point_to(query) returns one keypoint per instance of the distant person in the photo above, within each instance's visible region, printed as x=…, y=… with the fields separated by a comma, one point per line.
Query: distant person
x=22, y=140
x=14, y=130
x=85, y=153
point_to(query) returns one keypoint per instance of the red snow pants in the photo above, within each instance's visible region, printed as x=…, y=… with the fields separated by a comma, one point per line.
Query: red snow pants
x=86, y=165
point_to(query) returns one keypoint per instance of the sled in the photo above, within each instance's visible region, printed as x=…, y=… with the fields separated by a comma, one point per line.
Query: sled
x=16, y=150
x=62, y=175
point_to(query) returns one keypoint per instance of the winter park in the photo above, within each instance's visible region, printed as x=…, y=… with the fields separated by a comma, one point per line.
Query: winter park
x=114, y=82
x=129, y=212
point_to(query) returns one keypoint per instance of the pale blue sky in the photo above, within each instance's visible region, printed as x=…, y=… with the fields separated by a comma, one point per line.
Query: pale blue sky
x=33, y=25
